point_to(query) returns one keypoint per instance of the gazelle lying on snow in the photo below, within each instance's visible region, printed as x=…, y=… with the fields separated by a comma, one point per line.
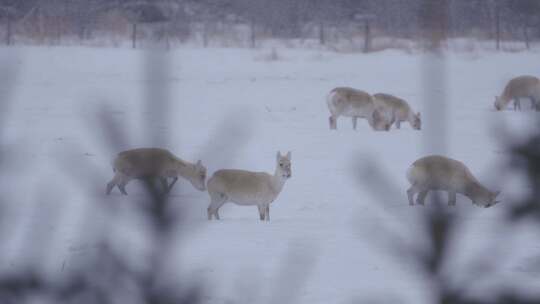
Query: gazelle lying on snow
x=442, y=173
x=354, y=103
x=400, y=109
x=248, y=188
x=154, y=163
x=520, y=87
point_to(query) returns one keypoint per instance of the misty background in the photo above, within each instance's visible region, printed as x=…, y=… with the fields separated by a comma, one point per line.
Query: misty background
x=343, y=25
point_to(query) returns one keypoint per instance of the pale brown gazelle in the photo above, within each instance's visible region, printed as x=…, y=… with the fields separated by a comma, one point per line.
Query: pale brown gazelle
x=154, y=163
x=517, y=88
x=401, y=110
x=248, y=188
x=349, y=102
x=441, y=173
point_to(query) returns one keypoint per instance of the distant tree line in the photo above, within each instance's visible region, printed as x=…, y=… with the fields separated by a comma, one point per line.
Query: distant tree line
x=321, y=20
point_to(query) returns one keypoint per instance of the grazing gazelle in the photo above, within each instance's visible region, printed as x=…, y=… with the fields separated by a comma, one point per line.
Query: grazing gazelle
x=520, y=87
x=154, y=163
x=349, y=102
x=400, y=109
x=442, y=173
x=248, y=188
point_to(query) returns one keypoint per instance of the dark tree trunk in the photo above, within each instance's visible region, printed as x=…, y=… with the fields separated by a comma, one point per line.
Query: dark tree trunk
x=166, y=31
x=526, y=36
x=252, y=34
x=134, y=36
x=322, y=38
x=8, y=30
x=498, y=26
x=205, y=34
x=367, y=37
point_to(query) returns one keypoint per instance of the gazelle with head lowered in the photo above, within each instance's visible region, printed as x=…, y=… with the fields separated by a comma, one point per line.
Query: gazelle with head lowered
x=517, y=88
x=401, y=110
x=154, y=163
x=436, y=172
x=349, y=102
x=248, y=188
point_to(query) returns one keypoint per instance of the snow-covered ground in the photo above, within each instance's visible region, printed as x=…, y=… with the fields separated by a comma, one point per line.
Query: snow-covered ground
x=234, y=109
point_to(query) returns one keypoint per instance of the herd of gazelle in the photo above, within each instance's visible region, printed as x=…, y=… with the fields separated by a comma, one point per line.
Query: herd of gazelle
x=238, y=186
x=380, y=110
x=260, y=189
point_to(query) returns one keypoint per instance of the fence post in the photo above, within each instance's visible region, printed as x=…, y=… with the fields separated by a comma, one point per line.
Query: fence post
x=367, y=36
x=134, y=35
x=322, y=38
x=8, y=30
x=498, y=25
x=252, y=34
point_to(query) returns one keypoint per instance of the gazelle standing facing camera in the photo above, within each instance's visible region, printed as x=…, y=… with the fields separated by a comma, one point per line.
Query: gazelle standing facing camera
x=248, y=188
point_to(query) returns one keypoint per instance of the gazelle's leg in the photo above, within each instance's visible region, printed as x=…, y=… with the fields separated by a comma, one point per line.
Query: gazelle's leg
x=122, y=185
x=122, y=188
x=222, y=202
x=209, y=212
x=534, y=105
x=172, y=184
x=111, y=184
x=410, y=194
x=398, y=124
x=517, y=104
x=164, y=184
x=261, y=212
x=451, y=198
x=333, y=122
x=354, y=122
x=217, y=200
x=267, y=212
x=421, y=197
x=120, y=180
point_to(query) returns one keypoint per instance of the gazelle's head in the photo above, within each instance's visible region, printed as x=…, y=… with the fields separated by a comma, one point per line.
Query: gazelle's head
x=381, y=121
x=283, y=165
x=498, y=103
x=487, y=199
x=416, y=121
x=198, y=176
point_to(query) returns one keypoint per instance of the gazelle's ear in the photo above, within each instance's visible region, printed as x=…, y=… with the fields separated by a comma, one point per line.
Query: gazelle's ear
x=289, y=155
x=199, y=163
x=278, y=155
x=418, y=114
x=496, y=193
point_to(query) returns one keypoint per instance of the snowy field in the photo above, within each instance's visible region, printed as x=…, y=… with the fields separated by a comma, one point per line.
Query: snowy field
x=235, y=108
